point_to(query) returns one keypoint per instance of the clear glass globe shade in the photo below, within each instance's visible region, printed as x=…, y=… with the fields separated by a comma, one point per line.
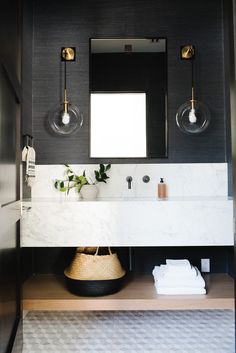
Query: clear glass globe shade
x=65, y=123
x=193, y=122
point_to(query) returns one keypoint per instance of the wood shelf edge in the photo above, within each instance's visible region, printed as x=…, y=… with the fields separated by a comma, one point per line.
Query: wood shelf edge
x=222, y=285
x=131, y=305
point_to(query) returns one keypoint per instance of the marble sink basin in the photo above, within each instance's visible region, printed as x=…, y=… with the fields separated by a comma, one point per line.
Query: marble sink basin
x=128, y=222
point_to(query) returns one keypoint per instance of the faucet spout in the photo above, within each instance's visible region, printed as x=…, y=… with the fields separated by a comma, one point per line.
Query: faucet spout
x=129, y=180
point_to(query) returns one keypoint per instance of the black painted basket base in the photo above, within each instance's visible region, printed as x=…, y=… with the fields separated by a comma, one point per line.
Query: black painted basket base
x=94, y=288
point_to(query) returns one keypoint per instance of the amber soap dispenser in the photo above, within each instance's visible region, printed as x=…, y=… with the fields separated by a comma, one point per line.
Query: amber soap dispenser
x=161, y=189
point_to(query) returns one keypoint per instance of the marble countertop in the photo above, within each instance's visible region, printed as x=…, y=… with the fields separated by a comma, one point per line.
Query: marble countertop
x=127, y=222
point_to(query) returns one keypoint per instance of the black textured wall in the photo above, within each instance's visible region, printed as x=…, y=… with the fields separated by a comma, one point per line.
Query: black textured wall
x=26, y=72
x=72, y=23
x=55, y=260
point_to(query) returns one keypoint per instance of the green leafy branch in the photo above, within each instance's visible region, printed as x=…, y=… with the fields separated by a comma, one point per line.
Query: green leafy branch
x=73, y=180
x=101, y=175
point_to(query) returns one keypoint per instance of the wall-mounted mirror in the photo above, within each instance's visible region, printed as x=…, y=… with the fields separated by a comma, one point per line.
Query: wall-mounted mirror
x=128, y=96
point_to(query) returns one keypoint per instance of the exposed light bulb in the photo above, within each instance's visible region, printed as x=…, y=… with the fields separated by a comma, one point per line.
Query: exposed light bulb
x=65, y=118
x=192, y=116
x=65, y=115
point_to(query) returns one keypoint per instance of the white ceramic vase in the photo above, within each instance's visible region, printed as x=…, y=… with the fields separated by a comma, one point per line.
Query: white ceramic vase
x=89, y=192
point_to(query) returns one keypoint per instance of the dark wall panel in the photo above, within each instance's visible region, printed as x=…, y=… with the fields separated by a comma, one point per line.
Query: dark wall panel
x=10, y=97
x=27, y=58
x=221, y=258
x=10, y=36
x=8, y=279
x=72, y=23
x=55, y=260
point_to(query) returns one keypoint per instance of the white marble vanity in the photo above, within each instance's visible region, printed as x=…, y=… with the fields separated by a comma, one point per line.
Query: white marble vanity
x=128, y=222
x=201, y=216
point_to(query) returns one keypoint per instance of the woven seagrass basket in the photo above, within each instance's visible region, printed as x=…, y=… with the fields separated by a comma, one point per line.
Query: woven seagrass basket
x=91, y=274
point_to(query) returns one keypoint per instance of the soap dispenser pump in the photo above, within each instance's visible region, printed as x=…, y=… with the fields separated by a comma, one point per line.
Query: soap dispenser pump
x=161, y=190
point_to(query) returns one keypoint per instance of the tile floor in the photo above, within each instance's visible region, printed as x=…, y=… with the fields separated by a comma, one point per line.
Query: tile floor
x=149, y=331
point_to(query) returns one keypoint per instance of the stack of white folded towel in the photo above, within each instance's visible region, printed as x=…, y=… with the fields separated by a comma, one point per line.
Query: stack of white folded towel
x=178, y=277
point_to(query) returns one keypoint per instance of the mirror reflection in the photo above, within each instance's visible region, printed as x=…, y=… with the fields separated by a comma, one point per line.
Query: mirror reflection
x=128, y=80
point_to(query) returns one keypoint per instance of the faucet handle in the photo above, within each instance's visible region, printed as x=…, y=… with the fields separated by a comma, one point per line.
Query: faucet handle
x=146, y=178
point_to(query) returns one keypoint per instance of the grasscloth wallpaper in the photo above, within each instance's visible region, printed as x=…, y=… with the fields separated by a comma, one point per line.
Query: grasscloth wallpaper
x=73, y=23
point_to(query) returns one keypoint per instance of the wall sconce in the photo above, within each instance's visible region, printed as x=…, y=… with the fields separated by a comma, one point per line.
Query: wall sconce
x=68, y=118
x=192, y=117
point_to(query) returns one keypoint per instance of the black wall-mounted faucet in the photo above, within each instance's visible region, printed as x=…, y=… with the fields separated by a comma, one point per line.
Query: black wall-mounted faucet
x=129, y=180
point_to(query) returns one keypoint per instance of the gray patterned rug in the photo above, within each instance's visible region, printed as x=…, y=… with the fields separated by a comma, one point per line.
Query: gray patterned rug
x=205, y=331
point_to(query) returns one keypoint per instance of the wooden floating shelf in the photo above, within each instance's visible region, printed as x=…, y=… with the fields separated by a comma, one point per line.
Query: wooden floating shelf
x=47, y=292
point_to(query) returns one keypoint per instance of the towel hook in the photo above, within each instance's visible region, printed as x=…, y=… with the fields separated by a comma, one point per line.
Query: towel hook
x=28, y=140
